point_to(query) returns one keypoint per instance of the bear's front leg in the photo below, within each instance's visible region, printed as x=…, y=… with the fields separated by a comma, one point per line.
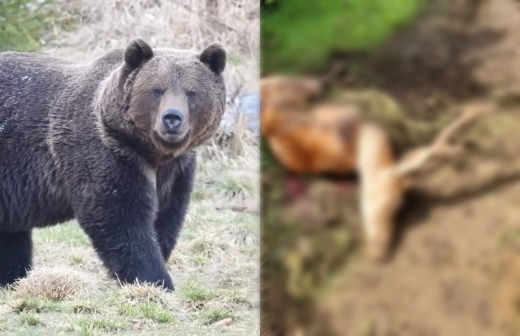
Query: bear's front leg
x=169, y=224
x=118, y=216
x=176, y=192
x=15, y=256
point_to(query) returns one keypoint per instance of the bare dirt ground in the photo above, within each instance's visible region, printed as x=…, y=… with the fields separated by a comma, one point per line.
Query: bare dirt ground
x=454, y=273
x=456, y=266
x=215, y=264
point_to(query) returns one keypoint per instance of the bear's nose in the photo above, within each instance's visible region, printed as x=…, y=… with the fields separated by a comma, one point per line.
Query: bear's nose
x=172, y=119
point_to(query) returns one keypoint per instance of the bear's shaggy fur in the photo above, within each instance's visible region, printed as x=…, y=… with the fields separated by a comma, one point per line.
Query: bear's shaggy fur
x=90, y=140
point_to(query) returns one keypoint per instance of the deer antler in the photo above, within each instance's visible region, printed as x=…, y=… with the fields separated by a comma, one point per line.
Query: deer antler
x=417, y=158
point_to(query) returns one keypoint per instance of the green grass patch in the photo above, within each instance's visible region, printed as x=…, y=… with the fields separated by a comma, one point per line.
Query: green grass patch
x=149, y=311
x=237, y=186
x=198, y=194
x=29, y=319
x=68, y=233
x=215, y=315
x=3, y=323
x=84, y=308
x=202, y=215
x=89, y=325
x=76, y=260
x=200, y=260
x=36, y=305
x=235, y=59
x=196, y=294
x=239, y=299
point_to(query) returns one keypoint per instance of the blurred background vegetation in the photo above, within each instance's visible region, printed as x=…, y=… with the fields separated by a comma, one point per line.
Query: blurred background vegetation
x=22, y=24
x=299, y=37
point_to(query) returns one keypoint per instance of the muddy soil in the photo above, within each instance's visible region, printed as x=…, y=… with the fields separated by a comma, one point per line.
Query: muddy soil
x=455, y=272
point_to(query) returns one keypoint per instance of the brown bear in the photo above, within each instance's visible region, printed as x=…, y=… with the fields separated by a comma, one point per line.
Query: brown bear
x=109, y=143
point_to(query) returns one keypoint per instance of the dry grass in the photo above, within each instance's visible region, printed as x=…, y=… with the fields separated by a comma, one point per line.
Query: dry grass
x=53, y=283
x=87, y=29
x=215, y=265
x=141, y=293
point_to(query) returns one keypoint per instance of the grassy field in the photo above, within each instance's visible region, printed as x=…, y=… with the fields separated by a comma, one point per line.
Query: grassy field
x=215, y=264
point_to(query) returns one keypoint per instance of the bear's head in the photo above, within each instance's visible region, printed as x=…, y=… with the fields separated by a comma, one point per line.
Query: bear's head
x=164, y=101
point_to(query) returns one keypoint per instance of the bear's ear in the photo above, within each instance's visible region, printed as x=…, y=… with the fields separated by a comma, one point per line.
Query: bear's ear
x=136, y=53
x=214, y=56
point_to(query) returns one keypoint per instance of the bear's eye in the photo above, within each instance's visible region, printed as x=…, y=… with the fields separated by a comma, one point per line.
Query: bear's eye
x=158, y=92
x=191, y=95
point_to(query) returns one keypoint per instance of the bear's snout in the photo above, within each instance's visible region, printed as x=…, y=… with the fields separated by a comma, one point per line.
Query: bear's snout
x=172, y=120
x=172, y=125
